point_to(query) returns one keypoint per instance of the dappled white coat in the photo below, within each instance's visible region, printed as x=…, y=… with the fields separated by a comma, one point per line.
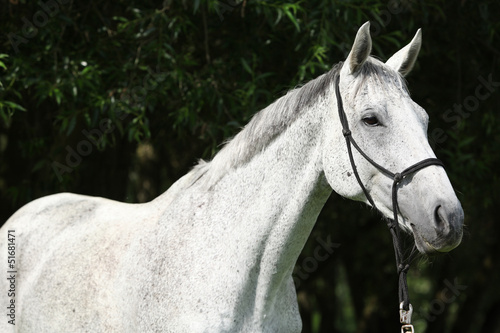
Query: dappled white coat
x=215, y=253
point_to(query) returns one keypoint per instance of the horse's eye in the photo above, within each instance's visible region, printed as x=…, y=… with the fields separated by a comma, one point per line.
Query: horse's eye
x=371, y=121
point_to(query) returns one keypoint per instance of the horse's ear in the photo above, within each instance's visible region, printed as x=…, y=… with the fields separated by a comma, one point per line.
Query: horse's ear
x=360, y=49
x=404, y=59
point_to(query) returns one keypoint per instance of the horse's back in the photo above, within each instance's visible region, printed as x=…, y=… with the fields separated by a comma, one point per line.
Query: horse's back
x=43, y=223
x=70, y=251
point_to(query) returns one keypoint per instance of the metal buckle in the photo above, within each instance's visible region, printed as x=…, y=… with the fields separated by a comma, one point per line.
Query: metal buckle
x=405, y=316
x=407, y=329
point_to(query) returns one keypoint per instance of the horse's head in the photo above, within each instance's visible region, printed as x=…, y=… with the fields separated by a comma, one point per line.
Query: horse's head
x=391, y=129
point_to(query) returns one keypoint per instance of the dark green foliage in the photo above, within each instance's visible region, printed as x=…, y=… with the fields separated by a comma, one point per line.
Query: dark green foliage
x=120, y=98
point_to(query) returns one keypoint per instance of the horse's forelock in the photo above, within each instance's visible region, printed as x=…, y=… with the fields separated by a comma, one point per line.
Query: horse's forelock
x=375, y=70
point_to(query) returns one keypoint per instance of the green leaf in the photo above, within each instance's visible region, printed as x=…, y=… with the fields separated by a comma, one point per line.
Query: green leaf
x=57, y=94
x=196, y=5
x=13, y=106
x=292, y=18
x=246, y=66
x=71, y=126
x=39, y=165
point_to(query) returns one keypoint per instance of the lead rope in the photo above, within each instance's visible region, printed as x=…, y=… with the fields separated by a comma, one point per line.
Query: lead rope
x=405, y=308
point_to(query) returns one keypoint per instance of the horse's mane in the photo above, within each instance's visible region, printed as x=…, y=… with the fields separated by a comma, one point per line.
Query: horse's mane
x=268, y=123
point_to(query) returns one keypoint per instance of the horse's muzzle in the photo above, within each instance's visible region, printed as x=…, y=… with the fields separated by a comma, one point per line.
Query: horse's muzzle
x=446, y=234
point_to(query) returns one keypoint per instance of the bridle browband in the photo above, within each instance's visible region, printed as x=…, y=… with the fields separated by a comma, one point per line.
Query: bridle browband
x=404, y=299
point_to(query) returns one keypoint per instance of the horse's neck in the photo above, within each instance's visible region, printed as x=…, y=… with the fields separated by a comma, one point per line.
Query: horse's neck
x=278, y=195
x=254, y=221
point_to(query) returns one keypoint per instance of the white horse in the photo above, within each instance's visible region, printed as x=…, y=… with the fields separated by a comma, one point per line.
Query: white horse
x=215, y=253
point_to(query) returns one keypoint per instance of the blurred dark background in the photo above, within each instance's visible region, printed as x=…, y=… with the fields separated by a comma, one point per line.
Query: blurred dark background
x=120, y=98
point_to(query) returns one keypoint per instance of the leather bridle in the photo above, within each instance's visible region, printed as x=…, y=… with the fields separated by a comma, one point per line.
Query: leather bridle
x=393, y=225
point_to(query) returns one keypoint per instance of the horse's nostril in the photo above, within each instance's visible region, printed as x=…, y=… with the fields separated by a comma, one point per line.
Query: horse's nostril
x=440, y=221
x=437, y=218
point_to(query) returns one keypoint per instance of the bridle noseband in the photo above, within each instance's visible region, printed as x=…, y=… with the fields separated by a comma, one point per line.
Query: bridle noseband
x=392, y=224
